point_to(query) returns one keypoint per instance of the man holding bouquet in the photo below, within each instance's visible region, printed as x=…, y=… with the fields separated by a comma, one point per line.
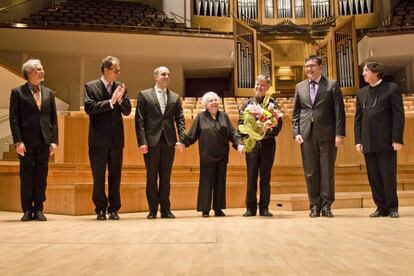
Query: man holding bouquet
x=259, y=136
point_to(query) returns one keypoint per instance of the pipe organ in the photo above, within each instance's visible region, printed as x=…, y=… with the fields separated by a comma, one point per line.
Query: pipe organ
x=344, y=60
x=265, y=60
x=269, y=8
x=352, y=7
x=320, y=8
x=212, y=7
x=285, y=8
x=323, y=53
x=342, y=49
x=247, y=8
x=245, y=55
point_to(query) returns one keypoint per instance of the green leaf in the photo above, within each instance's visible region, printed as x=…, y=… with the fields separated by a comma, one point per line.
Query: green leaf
x=249, y=131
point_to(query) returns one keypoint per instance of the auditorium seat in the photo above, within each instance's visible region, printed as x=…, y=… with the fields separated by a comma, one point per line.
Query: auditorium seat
x=114, y=15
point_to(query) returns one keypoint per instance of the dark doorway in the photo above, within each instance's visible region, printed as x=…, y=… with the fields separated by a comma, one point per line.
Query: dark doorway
x=196, y=87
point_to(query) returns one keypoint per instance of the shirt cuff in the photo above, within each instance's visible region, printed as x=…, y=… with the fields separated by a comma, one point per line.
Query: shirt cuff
x=110, y=103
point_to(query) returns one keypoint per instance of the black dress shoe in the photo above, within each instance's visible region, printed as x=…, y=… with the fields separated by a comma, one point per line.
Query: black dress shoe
x=265, y=213
x=39, y=216
x=394, y=214
x=27, y=216
x=378, y=213
x=219, y=213
x=327, y=213
x=152, y=215
x=314, y=213
x=167, y=214
x=113, y=215
x=100, y=215
x=205, y=214
x=249, y=213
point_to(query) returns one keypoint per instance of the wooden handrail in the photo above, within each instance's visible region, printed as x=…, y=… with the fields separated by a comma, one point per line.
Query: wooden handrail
x=14, y=5
x=14, y=71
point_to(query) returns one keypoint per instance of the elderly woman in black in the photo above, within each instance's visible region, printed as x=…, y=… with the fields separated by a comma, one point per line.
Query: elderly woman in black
x=214, y=130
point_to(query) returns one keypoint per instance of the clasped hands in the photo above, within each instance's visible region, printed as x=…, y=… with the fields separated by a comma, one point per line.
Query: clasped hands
x=118, y=94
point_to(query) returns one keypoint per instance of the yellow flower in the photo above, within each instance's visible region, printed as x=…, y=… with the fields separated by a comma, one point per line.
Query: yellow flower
x=270, y=91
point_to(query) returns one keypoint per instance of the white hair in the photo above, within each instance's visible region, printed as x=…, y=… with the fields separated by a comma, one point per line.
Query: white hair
x=158, y=69
x=207, y=96
x=29, y=66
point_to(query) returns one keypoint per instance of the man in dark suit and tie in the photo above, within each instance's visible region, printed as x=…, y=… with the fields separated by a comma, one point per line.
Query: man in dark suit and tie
x=157, y=110
x=379, y=127
x=319, y=127
x=33, y=122
x=106, y=100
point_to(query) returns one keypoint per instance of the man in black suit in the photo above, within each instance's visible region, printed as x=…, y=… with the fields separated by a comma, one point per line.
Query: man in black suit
x=379, y=127
x=157, y=109
x=106, y=100
x=319, y=127
x=33, y=122
x=260, y=160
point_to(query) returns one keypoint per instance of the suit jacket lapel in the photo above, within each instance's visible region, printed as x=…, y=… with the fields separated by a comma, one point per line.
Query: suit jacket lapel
x=102, y=89
x=28, y=93
x=308, y=92
x=155, y=100
x=169, y=99
x=321, y=88
x=42, y=97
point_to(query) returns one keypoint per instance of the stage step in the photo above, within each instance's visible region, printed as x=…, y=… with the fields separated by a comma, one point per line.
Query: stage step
x=300, y=202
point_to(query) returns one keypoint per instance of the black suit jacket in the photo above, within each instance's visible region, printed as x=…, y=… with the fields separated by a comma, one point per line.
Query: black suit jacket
x=378, y=126
x=150, y=123
x=27, y=121
x=106, y=127
x=327, y=113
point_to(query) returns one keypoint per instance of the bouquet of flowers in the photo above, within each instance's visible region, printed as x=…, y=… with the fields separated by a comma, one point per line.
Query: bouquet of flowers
x=258, y=119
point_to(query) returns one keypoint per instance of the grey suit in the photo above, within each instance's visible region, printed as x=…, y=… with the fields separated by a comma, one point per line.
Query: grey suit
x=158, y=132
x=318, y=124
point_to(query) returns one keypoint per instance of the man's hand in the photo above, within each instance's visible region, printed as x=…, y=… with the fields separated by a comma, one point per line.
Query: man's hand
x=339, y=141
x=241, y=149
x=20, y=149
x=120, y=90
x=179, y=146
x=52, y=149
x=397, y=146
x=143, y=149
x=359, y=148
x=299, y=139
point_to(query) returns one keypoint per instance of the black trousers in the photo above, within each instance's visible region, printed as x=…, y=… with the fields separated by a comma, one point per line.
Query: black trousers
x=100, y=158
x=33, y=174
x=260, y=160
x=212, y=185
x=158, y=162
x=318, y=158
x=382, y=176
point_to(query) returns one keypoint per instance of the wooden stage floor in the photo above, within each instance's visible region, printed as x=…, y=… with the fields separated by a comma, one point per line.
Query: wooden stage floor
x=290, y=243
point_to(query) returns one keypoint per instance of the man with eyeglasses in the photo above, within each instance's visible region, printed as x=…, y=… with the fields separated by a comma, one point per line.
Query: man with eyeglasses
x=379, y=127
x=319, y=127
x=106, y=100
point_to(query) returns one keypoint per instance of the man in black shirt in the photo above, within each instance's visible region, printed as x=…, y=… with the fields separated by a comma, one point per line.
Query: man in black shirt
x=379, y=127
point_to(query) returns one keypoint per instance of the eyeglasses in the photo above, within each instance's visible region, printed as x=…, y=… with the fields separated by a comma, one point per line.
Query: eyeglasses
x=116, y=71
x=310, y=65
x=370, y=106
